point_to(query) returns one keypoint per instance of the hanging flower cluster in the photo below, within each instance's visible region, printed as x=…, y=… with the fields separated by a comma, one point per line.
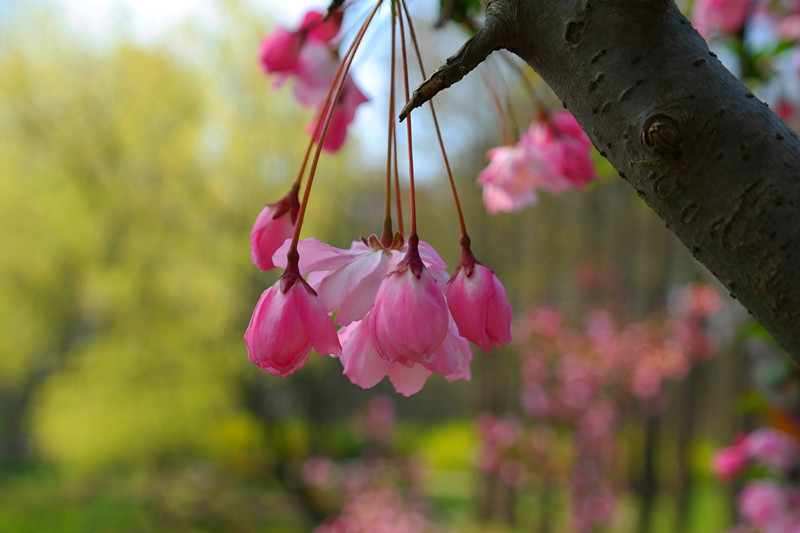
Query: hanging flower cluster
x=400, y=314
x=308, y=56
x=552, y=156
x=768, y=502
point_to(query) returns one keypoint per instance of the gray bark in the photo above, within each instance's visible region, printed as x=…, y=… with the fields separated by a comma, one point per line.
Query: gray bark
x=713, y=161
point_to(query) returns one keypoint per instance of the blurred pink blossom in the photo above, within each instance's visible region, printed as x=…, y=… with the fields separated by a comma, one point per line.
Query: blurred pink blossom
x=772, y=448
x=728, y=16
x=553, y=155
x=762, y=503
x=729, y=462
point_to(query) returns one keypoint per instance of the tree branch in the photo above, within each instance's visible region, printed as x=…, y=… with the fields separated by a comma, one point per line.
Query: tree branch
x=712, y=160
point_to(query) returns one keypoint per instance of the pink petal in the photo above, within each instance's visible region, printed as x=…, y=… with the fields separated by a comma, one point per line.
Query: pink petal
x=453, y=356
x=267, y=235
x=409, y=319
x=352, y=288
x=362, y=364
x=314, y=255
x=480, y=307
x=321, y=31
x=408, y=380
x=276, y=339
x=315, y=320
x=279, y=50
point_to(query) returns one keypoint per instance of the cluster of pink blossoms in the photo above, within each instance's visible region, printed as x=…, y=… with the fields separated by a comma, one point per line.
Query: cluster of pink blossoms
x=402, y=315
x=765, y=505
x=553, y=156
x=308, y=56
x=576, y=384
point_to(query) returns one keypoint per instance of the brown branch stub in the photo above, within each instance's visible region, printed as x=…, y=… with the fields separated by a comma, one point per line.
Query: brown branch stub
x=470, y=55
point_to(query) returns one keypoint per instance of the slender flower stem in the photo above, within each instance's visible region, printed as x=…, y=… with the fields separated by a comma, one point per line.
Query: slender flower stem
x=408, y=128
x=387, y=222
x=413, y=34
x=341, y=76
x=398, y=198
x=501, y=112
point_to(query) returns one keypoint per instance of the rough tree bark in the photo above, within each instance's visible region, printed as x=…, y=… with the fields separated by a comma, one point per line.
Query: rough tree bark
x=712, y=160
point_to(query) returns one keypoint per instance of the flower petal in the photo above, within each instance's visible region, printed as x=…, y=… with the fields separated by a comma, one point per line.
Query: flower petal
x=408, y=380
x=361, y=362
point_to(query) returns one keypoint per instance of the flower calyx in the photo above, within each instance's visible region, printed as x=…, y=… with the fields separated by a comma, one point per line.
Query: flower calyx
x=288, y=204
x=412, y=260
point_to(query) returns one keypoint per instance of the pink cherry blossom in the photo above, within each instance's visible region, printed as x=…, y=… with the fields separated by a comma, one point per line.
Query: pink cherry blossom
x=280, y=51
x=509, y=182
x=365, y=367
x=762, y=503
x=710, y=16
x=343, y=114
x=348, y=280
x=315, y=28
x=410, y=317
x=729, y=462
x=700, y=301
x=567, y=148
x=273, y=226
x=287, y=321
x=553, y=155
x=479, y=305
x=772, y=448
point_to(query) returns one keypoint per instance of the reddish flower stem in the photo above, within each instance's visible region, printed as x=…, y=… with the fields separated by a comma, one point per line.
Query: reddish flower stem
x=387, y=236
x=398, y=197
x=408, y=129
x=341, y=76
x=413, y=34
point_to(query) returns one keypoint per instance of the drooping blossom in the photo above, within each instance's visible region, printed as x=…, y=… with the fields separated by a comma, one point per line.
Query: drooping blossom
x=763, y=503
x=280, y=50
x=410, y=317
x=348, y=280
x=309, y=57
x=365, y=366
x=553, y=155
x=772, y=448
x=352, y=282
x=287, y=321
x=509, y=182
x=478, y=303
x=273, y=226
x=728, y=16
x=344, y=112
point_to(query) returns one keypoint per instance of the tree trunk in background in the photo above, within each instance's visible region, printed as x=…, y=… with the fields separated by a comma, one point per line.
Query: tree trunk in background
x=712, y=160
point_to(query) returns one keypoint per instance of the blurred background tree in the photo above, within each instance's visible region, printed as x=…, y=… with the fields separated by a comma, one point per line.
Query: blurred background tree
x=130, y=174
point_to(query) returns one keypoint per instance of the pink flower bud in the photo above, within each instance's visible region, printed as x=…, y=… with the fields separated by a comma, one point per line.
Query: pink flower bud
x=273, y=226
x=410, y=316
x=287, y=321
x=478, y=303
